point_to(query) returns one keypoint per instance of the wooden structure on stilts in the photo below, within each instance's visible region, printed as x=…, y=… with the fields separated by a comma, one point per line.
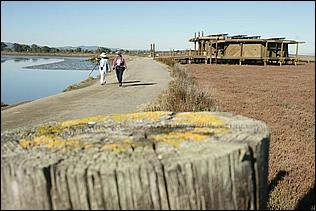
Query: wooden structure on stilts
x=238, y=49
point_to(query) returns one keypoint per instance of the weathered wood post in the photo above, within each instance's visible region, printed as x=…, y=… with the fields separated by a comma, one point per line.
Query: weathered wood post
x=211, y=52
x=281, y=56
x=241, y=53
x=154, y=50
x=195, y=41
x=216, y=51
x=149, y=160
x=266, y=54
x=296, y=60
x=199, y=44
x=151, y=50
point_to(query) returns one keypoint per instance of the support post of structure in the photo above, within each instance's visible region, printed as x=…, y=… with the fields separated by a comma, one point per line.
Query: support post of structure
x=241, y=53
x=265, y=54
x=195, y=41
x=281, y=56
x=151, y=49
x=199, y=44
x=211, y=52
x=296, y=60
x=216, y=52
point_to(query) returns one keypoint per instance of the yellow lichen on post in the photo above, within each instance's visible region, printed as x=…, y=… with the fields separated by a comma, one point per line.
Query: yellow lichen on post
x=207, y=130
x=48, y=130
x=50, y=142
x=119, y=147
x=141, y=116
x=154, y=116
x=198, y=119
x=176, y=138
x=84, y=120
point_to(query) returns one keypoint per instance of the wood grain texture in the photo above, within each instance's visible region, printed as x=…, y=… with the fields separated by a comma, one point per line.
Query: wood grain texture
x=151, y=160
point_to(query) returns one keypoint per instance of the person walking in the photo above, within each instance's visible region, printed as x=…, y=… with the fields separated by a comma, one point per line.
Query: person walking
x=119, y=64
x=103, y=67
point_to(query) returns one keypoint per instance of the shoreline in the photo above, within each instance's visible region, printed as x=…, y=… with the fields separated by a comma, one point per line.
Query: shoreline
x=7, y=106
x=81, y=84
x=3, y=53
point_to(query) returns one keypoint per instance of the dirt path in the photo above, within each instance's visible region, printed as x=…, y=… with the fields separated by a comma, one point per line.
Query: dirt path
x=142, y=83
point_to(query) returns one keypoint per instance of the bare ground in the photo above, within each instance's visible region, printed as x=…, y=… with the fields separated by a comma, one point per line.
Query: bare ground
x=284, y=98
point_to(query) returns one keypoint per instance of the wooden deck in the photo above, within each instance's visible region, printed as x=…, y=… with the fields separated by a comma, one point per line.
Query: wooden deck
x=188, y=57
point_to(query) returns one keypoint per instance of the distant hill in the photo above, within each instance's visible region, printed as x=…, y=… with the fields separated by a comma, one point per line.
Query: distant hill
x=90, y=48
x=9, y=44
x=83, y=47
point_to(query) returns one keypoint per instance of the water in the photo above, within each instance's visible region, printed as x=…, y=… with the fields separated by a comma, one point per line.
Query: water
x=30, y=78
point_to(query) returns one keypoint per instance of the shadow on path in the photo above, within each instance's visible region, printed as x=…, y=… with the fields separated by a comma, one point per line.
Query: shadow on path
x=280, y=175
x=125, y=82
x=140, y=84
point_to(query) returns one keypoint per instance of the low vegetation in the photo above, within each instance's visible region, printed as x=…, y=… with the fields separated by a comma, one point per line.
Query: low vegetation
x=36, y=50
x=89, y=81
x=284, y=98
x=183, y=94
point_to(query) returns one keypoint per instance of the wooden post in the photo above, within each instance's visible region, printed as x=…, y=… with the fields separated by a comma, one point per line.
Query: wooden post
x=296, y=60
x=216, y=52
x=241, y=53
x=195, y=41
x=199, y=44
x=151, y=50
x=219, y=161
x=266, y=54
x=211, y=52
x=154, y=50
x=281, y=56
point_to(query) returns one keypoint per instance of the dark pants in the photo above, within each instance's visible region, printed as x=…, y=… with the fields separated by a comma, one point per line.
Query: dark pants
x=119, y=73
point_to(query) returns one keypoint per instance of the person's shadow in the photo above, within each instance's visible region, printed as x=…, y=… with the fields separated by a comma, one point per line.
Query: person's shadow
x=135, y=83
x=138, y=84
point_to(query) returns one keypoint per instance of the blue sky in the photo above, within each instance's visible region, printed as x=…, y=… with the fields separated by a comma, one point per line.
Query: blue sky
x=136, y=24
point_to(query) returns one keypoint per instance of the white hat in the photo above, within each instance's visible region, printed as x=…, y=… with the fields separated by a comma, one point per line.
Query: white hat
x=103, y=54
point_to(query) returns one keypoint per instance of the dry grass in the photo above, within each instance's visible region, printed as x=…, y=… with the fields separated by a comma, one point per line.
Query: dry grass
x=183, y=94
x=284, y=98
x=89, y=81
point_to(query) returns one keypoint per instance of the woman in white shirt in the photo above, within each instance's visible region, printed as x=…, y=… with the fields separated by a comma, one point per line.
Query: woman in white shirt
x=103, y=67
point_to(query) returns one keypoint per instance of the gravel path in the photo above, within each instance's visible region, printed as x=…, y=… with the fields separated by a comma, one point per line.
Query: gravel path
x=143, y=82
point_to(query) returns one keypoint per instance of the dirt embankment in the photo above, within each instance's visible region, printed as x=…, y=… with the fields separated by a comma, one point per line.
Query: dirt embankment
x=284, y=98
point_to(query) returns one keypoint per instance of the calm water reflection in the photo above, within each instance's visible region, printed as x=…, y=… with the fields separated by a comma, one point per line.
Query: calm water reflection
x=22, y=84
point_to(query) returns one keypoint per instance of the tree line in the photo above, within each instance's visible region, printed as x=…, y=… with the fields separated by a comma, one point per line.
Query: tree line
x=45, y=49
